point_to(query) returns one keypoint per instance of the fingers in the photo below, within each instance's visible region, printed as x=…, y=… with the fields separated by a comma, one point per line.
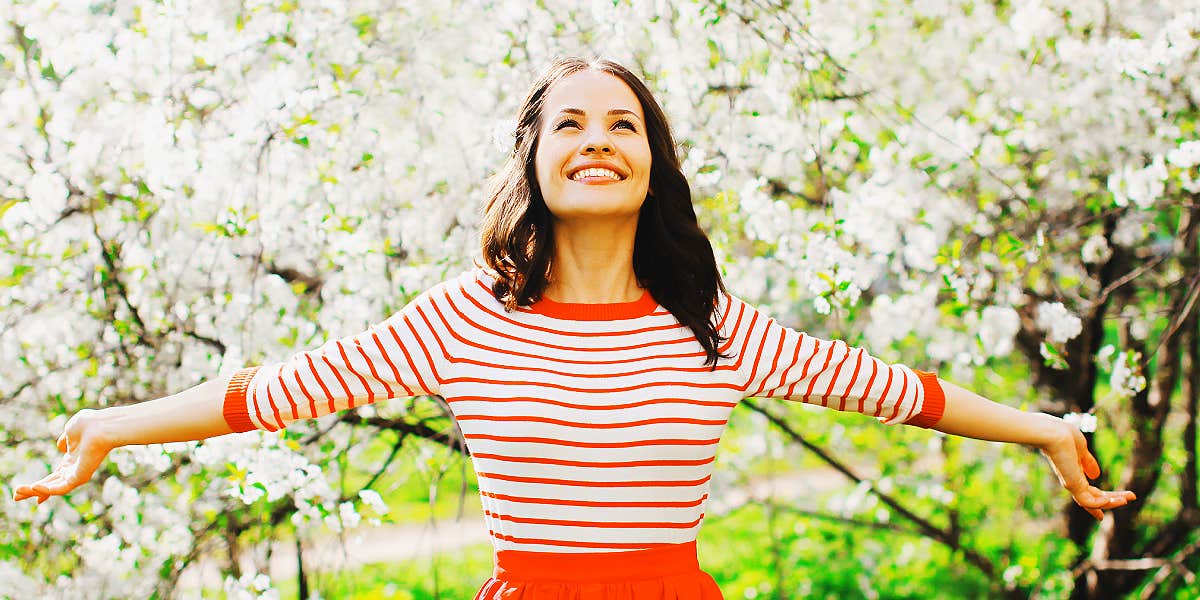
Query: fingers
x=1095, y=501
x=52, y=484
x=1091, y=468
x=80, y=461
x=64, y=478
x=1070, y=467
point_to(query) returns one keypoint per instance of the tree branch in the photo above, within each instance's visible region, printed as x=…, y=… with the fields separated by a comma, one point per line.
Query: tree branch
x=1190, y=391
x=420, y=429
x=1173, y=565
x=924, y=526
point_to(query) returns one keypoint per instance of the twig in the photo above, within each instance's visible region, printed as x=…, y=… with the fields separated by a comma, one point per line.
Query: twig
x=1192, y=293
x=924, y=526
x=1175, y=563
x=1130, y=276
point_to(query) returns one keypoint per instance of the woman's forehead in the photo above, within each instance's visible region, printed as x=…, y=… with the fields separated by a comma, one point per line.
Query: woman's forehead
x=592, y=92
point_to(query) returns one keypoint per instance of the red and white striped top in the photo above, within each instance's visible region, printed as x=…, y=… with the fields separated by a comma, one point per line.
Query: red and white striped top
x=592, y=427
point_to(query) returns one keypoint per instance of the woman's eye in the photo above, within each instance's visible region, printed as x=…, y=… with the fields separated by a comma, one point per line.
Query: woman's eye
x=565, y=123
x=628, y=125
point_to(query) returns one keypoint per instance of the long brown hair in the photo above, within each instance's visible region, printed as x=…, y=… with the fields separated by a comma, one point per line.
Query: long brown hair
x=672, y=256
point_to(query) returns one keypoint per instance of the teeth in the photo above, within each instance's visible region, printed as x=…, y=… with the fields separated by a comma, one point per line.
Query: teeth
x=595, y=173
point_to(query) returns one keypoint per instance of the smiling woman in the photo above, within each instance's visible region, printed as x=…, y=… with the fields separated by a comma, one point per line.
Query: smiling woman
x=546, y=234
x=591, y=361
x=593, y=164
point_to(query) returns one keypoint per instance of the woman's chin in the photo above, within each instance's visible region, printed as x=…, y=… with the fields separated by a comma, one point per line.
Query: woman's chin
x=594, y=208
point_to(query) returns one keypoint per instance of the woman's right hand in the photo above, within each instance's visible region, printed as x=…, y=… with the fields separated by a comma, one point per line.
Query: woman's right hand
x=85, y=445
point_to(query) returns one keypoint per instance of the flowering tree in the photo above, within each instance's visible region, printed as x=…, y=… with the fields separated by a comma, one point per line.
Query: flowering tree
x=188, y=187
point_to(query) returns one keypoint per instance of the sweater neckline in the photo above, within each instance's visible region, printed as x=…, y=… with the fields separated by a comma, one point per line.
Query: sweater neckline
x=601, y=311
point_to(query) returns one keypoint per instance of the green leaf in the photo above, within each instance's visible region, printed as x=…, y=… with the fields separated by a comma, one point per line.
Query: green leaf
x=18, y=273
x=714, y=54
x=7, y=204
x=1053, y=357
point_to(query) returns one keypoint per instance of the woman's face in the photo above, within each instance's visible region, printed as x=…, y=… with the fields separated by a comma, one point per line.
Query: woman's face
x=593, y=156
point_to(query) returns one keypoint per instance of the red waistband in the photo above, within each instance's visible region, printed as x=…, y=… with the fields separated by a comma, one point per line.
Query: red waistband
x=596, y=567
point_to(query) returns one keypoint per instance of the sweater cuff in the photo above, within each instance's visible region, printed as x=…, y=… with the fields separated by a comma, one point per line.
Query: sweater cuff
x=236, y=411
x=934, y=403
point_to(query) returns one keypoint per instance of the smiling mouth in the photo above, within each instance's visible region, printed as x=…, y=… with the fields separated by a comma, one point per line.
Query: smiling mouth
x=596, y=175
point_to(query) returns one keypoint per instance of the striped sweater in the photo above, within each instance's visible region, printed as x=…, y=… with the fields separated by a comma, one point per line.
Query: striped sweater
x=591, y=427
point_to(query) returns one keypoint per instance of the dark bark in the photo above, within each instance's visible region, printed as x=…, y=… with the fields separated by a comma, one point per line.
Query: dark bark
x=302, y=580
x=1189, y=389
x=449, y=439
x=1073, y=389
x=1148, y=414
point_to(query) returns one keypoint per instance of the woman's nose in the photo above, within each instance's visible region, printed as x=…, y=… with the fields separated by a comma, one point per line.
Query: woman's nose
x=597, y=142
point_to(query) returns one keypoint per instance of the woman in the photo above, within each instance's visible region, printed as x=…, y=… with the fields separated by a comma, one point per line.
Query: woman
x=591, y=363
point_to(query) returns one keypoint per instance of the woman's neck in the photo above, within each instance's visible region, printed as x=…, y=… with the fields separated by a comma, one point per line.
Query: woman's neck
x=593, y=263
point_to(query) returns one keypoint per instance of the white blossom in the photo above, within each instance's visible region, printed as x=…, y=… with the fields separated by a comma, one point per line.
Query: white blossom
x=1187, y=155
x=1143, y=186
x=1059, y=323
x=371, y=497
x=1127, y=379
x=1095, y=250
x=1131, y=229
x=998, y=325
x=821, y=305
x=1086, y=422
x=250, y=586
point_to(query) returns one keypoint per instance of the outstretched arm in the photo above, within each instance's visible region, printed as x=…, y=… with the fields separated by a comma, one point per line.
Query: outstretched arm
x=969, y=414
x=89, y=435
x=388, y=359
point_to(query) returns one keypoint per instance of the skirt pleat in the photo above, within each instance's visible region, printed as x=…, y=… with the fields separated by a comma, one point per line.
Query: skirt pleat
x=665, y=573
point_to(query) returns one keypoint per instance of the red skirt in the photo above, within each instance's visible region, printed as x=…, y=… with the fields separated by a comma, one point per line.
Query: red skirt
x=664, y=573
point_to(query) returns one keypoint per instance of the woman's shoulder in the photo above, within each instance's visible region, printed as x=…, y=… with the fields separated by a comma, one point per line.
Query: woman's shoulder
x=472, y=285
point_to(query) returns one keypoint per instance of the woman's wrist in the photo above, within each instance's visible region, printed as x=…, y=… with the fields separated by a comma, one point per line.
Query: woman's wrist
x=1050, y=430
x=103, y=425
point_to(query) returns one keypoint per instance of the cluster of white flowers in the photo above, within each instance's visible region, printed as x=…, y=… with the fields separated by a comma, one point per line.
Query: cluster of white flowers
x=1186, y=156
x=1086, y=422
x=274, y=471
x=250, y=586
x=372, y=499
x=1127, y=378
x=998, y=325
x=1132, y=229
x=1143, y=186
x=153, y=457
x=1059, y=323
x=1095, y=250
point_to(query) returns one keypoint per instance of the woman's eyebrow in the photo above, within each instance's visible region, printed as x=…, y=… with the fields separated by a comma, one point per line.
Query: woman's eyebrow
x=615, y=111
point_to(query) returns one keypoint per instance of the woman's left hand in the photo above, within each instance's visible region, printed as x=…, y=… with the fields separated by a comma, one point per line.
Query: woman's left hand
x=1075, y=465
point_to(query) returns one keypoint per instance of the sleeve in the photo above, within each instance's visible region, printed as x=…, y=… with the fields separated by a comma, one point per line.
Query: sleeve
x=400, y=356
x=793, y=365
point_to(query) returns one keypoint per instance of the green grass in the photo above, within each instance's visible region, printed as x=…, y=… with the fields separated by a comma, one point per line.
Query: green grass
x=739, y=550
x=456, y=575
